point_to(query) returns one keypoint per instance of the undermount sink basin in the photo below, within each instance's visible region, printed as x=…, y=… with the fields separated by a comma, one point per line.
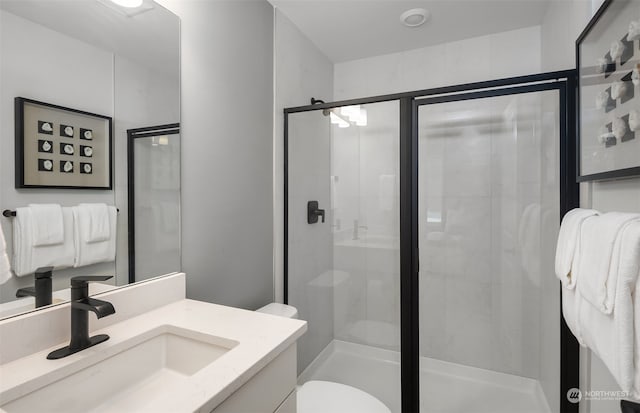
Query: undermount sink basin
x=147, y=366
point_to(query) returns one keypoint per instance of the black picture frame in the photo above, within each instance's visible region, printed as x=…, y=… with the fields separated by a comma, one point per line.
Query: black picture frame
x=601, y=154
x=36, y=122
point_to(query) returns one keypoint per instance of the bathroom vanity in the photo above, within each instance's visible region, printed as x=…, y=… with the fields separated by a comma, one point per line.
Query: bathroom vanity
x=165, y=354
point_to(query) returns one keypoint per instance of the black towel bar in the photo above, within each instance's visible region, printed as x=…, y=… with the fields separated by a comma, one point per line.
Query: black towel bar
x=9, y=213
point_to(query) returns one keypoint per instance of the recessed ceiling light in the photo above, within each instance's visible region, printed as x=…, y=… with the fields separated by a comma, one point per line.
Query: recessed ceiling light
x=128, y=3
x=414, y=17
x=128, y=8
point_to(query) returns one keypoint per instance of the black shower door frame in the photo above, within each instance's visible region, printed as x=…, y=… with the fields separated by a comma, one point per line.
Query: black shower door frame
x=565, y=83
x=132, y=134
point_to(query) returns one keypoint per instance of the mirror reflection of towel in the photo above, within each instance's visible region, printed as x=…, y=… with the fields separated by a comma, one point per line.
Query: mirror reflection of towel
x=94, y=222
x=47, y=226
x=27, y=257
x=87, y=251
x=5, y=268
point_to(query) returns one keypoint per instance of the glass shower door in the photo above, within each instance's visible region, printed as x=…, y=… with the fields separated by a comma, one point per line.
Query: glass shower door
x=343, y=260
x=154, y=201
x=488, y=217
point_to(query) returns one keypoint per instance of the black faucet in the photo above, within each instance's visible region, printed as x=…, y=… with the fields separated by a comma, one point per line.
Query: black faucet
x=81, y=304
x=42, y=290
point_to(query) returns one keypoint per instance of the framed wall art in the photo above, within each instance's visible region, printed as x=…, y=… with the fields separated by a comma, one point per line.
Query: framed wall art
x=58, y=147
x=608, y=63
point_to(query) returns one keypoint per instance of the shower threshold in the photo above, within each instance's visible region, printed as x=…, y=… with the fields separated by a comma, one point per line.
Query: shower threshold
x=445, y=387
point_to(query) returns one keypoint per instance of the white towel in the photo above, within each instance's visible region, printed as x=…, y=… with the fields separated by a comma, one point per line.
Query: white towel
x=86, y=252
x=5, y=268
x=47, y=227
x=568, y=238
x=635, y=302
x=614, y=337
x=387, y=191
x=600, y=256
x=27, y=257
x=570, y=308
x=95, y=222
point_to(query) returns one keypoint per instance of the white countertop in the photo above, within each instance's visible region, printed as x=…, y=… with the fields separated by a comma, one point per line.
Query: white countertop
x=261, y=338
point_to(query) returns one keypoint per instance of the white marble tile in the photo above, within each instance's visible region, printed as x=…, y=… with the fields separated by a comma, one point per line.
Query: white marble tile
x=433, y=299
x=467, y=60
x=423, y=68
x=515, y=52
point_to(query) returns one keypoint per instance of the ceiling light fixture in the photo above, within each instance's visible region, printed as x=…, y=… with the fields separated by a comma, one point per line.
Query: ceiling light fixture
x=414, y=17
x=128, y=3
x=128, y=8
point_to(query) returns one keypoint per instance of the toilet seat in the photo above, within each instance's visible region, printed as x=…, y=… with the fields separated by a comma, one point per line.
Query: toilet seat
x=328, y=397
x=282, y=310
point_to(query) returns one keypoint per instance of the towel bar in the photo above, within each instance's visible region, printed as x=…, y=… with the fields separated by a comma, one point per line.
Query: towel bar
x=9, y=213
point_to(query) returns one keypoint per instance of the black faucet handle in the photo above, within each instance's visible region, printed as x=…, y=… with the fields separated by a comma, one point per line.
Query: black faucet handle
x=83, y=280
x=44, y=272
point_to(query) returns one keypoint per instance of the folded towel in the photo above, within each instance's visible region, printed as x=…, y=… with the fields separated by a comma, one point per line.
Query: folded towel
x=614, y=337
x=5, y=268
x=89, y=252
x=571, y=301
x=600, y=255
x=95, y=223
x=568, y=238
x=47, y=227
x=27, y=257
x=387, y=191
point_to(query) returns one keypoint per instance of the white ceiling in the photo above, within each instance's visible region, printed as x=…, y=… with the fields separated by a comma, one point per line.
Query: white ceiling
x=353, y=29
x=151, y=38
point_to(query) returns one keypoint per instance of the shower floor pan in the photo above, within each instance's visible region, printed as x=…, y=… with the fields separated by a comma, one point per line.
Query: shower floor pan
x=445, y=387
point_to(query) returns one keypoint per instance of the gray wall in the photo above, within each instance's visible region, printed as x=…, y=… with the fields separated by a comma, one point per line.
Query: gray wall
x=227, y=121
x=301, y=71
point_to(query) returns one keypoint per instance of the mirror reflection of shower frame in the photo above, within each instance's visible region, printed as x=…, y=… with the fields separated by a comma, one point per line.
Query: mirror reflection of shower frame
x=159, y=135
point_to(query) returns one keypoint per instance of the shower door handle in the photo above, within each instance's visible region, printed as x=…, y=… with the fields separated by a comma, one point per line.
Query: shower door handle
x=313, y=212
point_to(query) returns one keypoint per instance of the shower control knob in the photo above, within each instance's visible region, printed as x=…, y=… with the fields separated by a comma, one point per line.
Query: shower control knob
x=313, y=212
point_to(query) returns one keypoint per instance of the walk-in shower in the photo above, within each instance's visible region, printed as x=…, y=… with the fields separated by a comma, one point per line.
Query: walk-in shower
x=430, y=284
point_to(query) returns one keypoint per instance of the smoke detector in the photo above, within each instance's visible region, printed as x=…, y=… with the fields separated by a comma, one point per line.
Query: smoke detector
x=414, y=17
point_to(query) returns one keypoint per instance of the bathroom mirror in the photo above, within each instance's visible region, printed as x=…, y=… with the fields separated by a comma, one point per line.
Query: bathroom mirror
x=96, y=57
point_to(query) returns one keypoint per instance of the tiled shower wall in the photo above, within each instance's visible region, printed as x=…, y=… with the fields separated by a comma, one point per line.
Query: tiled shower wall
x=484, y=206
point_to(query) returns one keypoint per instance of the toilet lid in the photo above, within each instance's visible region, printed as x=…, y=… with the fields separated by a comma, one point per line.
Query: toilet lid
x=281, y=310
x=327, y=397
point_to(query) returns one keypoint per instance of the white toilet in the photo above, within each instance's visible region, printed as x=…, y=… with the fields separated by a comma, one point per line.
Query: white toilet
x=282, y=310
x=316, y=396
